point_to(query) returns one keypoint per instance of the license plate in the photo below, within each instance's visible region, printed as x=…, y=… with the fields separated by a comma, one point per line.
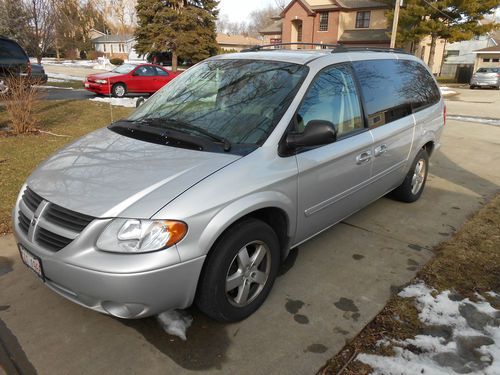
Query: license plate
x=482, y=84
x=87, y=85
x=33, y=262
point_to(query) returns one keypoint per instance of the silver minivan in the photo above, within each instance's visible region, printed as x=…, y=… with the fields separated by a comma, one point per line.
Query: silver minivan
x=199, y=195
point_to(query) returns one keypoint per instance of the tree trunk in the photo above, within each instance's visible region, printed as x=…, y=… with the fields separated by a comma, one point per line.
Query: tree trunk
x=432, y=52
x=174, y=61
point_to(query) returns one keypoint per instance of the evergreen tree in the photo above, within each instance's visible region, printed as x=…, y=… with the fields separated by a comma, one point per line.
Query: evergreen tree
x=14, y=21
x=454, y=20
x=186, y=28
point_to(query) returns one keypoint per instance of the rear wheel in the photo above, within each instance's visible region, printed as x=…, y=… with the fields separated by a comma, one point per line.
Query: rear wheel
x=413, y=185
x=239, y=272
x=472, y=87
x=119, y=90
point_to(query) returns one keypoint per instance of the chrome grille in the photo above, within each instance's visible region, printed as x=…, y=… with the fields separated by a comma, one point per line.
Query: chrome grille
x=66, y=218
x=55, y=227
x=32, y=199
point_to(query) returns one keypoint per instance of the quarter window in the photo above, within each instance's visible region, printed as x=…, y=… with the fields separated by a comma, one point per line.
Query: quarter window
x=393, y=89
x=362, y=20
x=323, y=21
x=332, y=97
x=486, y=60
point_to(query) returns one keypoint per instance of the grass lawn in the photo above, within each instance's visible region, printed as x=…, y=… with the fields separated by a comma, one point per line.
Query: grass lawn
x=19, y=155
x=467, y=264
x=69, y=84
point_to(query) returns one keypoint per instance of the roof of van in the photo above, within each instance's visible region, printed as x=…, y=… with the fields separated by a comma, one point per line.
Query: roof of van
x=302, y=56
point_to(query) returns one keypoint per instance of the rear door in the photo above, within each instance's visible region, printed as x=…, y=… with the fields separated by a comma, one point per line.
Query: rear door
x=332, y=178
x=387, y=89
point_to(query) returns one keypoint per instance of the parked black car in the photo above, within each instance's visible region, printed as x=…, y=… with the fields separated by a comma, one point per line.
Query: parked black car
x=13, y=62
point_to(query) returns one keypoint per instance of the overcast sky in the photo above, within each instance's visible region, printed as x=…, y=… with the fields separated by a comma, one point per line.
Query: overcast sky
x=238, y=10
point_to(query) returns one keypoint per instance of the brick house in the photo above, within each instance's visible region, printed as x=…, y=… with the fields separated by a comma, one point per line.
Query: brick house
x=350, y=22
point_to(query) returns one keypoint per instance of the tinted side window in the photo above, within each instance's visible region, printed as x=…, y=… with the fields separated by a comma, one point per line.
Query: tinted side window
x=145, y=71
x=11, y=53
x=332, y=97
x=393, y=89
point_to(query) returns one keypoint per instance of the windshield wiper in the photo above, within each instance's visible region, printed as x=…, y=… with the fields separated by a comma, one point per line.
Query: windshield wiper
x=161, y=121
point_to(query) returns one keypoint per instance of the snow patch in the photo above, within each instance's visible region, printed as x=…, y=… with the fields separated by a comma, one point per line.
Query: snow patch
x=446, y=91
x=480, y=120
x=175, y=322
x=58, y=77
x=473, y=345
x=119, y=102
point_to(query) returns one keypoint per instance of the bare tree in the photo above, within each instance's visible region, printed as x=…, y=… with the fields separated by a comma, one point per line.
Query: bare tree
x=281, y=4
x=42, y=20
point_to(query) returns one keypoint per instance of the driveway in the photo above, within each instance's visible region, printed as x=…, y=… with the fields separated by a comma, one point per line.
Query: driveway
x=328, y=290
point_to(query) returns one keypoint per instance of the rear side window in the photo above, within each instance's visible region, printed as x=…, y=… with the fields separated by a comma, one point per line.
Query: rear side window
x=393, y=89
x=11, y=53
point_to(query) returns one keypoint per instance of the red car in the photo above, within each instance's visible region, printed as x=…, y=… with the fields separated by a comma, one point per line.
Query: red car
x=129, y=78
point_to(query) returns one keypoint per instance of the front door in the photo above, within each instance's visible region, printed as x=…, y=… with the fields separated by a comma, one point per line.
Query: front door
x=142, y=79
x=332, y=178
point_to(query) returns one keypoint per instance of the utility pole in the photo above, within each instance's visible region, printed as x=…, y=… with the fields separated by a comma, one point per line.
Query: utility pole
x=395, y=23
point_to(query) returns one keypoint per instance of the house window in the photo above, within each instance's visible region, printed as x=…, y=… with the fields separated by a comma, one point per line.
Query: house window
x=486, y=60
x=362, y=20
x=323, y=21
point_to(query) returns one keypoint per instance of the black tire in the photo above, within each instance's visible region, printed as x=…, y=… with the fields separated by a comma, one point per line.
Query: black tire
x=405, y=192
x=472, y=87
x=119, y=90
x=212, y=297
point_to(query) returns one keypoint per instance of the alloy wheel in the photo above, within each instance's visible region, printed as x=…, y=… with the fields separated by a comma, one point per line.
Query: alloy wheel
x=3, y=87
x=248, y=273
x=418, y=178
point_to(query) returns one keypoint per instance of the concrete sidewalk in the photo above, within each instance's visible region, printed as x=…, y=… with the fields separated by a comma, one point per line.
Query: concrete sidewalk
x=329, y=289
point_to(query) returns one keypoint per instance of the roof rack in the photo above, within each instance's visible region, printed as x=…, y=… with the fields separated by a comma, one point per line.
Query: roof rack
x=336, y=48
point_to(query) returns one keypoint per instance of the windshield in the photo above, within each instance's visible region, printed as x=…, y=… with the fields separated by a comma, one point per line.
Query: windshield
x=124, y=69
x=238, y=100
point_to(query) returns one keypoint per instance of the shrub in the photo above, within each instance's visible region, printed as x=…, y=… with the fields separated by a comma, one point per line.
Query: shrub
x=93, y=55
x=116, y=61
x=20, y=101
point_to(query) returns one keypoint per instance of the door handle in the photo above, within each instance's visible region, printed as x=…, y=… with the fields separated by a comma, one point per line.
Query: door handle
x=363, y=157
x=380, y=150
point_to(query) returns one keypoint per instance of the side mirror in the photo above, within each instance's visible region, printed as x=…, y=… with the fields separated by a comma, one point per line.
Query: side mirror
x=316, y=133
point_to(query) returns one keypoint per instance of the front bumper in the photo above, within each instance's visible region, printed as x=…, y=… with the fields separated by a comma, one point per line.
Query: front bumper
x=97, y=88
x=114, y=287
x=485, y=82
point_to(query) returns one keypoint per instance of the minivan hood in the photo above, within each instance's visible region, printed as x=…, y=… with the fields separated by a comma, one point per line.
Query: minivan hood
x=105, y=174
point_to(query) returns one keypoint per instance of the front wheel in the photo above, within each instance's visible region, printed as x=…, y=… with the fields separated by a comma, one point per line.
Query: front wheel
x=239, y=271
x=119, y=90
x=413, y=185
x=4, y=89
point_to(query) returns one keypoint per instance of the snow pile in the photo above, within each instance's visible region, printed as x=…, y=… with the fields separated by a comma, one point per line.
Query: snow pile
x=175, y=322
x=120, y=102
x=446, y=91
x=103, y=64
x=460, y=336
x=480, y=120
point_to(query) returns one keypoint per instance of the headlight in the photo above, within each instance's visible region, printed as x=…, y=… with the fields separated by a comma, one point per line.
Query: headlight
x=101, y=81
x=140, y=236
